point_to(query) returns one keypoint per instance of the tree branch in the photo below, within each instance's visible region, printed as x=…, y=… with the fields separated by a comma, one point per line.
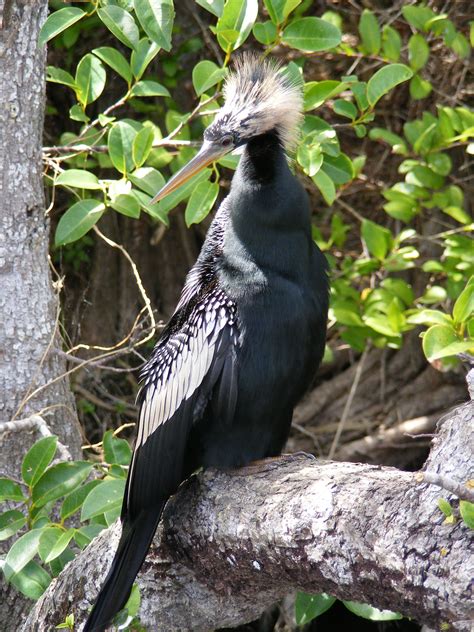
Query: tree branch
x=232, y=543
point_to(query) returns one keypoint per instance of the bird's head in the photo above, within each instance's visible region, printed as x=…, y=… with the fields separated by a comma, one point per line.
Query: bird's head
x=259, y=98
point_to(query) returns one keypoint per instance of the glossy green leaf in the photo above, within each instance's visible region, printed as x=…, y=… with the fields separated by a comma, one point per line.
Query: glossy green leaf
x=74, y=501
x=265, y=32
x=10, y=522
x=216, y=7
x=37, y=459
x=308, y=607
x=59, y=21
x=423, y=176
x=235, y=23
x=279, y=10
x=58, y=75
x=437, y=339
x=391, y=43
x=418, y=51
x=60, y=545
x=338, y=168
x=369, y=31
x=120, y=23
x=310, y=157
x=9, y=490
x=377, y=239
x=78, y=178
x=316, y=92
x=429, y=317
x=90, y=79
x=114, y=58
x=141, y=145
x=466, y=509
x=126, y=204
x=147, y=179
x=311, y=34
x=418, y=16
x=105, y=497
x=31, y=581
x=445, y=507
x=77, y=221
x=419, y=88
x=142, y=55
x=156, y=18
x=440, y=163
x=325, y=186
x=49, y=537
x=116, y=450
x=464, y=306
x=345, y=108
x=149, y=89
x=206, y=74
x=120, y=144
x=201, y=202
x=385, y=80
x=371, y=613
x=22, y=551
x=59, y=480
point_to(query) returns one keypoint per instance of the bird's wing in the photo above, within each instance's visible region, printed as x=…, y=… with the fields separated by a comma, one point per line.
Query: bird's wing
x=178, y=380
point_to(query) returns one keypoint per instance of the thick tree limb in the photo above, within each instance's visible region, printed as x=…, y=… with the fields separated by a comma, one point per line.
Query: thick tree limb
x=232, y=543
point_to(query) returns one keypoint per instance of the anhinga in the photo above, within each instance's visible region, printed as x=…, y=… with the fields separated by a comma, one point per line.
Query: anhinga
x=248, y=333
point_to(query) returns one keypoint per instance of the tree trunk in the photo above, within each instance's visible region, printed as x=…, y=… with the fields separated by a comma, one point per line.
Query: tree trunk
x=232, y=543
x=28, y=304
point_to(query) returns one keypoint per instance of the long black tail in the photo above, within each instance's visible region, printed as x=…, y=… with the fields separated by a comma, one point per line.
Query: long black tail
x=132, y=549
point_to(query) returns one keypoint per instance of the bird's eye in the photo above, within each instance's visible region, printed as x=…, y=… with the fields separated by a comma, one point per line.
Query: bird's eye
x=227, y=141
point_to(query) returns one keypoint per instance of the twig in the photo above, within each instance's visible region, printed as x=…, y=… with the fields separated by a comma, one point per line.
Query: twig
x=34, y=422
x=348, y=404
x=460, y=490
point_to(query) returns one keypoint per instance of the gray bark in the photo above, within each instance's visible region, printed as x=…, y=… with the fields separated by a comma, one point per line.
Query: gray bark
x=232, y=543
x=28, y=304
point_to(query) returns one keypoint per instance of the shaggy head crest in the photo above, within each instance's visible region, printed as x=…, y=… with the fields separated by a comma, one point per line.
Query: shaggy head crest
x=259, y=98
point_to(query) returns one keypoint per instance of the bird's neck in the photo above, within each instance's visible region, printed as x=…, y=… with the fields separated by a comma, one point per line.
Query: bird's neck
x=261, y=158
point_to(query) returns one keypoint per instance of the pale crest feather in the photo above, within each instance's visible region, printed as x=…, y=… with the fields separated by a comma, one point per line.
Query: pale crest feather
x=258, y=97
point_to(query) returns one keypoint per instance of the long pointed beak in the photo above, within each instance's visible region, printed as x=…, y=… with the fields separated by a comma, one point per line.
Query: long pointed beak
x=208, y=153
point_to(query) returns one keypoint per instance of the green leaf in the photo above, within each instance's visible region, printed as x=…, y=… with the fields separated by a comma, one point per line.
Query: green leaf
x=436, y=339
x=104, y=498
x=78, y=178
x=77, y=221
x=308, y=607
x=142, y=55
x=148, y=179
x=121, y=24
x=385, y=80
x=464, y=306
x=325, y=186
x=126, y=204
x=141, y=146
x=75, y=499
x=183, y=192
x=445, y=507
x=156, y=18
x=76, y=113
x=369, y=32
x=49, y=537
x=377, y=239
x=60, y=545
x=59, y=21
x=338, y=168
x=22, y=551
x=9, y=490
x=11, y=522
x=216, y=7
x=429, y=317
x=391, y=43
x=265, y=32
x=460, y=46
x=419, y=88
x=423, y=176
x=235, y=23
x=345, y=108
x=369, y=612
x=466, y=509
x=85, y=535
x=311, y=34
x=201, y=202
x=116, y=450
x=205, y=75
x=418, y=16
x=149, y=89
x=418, y=51
x=279, y=10
x=459, y=214
x=58, y=75
x=120, y=144
x=37, y=459
x=32, y=580
x=440, y=163
x=310, y=157
x=316, y=92
x=59, y=480
x=113, y=58
x=90, y=79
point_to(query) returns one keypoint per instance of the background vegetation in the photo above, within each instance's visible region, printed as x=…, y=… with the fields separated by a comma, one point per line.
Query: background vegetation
x=386, y=157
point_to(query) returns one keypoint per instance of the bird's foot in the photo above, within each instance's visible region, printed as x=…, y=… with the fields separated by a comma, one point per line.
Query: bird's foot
x=270, y=463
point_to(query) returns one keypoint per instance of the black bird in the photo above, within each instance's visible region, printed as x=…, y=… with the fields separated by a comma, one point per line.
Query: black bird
x=249, y=330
